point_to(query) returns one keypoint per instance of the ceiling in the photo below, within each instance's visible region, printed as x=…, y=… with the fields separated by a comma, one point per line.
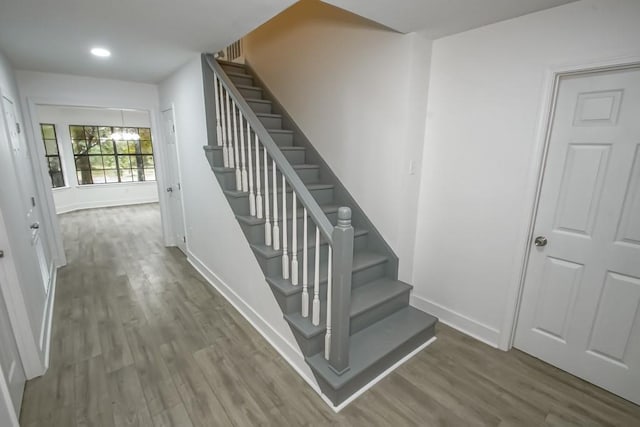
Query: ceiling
x=149, y=39
x=439, y=18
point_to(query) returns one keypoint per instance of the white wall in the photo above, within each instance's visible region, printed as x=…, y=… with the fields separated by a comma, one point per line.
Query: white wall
x=74, y=196
x=358, y=91
x=22, y=284
x=482, y=153
x=215, y=243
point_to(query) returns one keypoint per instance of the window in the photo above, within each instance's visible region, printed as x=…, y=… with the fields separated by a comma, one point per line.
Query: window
x=101, y=159
x=52, y=154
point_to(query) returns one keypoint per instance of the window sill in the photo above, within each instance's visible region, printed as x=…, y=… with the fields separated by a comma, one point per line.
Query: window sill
x=115, y=184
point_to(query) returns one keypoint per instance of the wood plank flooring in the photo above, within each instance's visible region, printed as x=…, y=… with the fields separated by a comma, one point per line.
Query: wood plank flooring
x=139, y=338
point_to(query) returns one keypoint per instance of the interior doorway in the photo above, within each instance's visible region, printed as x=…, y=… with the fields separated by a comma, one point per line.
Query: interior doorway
x=580, y=307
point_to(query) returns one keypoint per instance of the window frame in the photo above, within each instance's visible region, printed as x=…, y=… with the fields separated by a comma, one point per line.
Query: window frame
x=138, y=169
x=48, y=156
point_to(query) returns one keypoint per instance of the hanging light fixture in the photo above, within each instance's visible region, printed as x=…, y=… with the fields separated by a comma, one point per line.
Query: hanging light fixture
x=124, y=135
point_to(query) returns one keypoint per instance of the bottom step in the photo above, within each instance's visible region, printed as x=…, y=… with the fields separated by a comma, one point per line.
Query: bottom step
x=373, y=350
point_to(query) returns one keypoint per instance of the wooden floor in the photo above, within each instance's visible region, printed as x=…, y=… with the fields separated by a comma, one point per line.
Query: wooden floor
x=140, y=339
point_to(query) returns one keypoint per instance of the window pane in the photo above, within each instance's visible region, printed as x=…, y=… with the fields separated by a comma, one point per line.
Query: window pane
x=111, y=175
x=77, y=132
x=125, y=175
x=79, y=146
x=104, y=132
x=137, y=175
x=91, y=133
x=98, y=177
x=124, y=162
x=122, y=147
x=54, y=164
x=136, y=162
x=84, y=177
x=82, y=163
x=146, y=147
x=107, y=147
x=50, y=147
x=94, y=147
x=149, y=175
x=145, y=133
x=134, y=147
x=96, y=162
x=109, y=162
x=148, y=162
x=57, y=180
x=48, y=132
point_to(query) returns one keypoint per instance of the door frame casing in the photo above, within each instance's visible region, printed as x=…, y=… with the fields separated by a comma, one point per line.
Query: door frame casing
x=536, y=176
x=178, y=165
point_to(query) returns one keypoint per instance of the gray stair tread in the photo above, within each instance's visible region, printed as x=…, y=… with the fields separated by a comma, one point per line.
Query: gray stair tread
x=361, y=259
x=257, y=101
x=363, y=298
x=279, y=131
x=283, y=148
x=274, y=115
x=235, y=74
x=248, y=87
x=231, y=63
x=252, y=220
x=268, y=252
x=374, y=343
x=222, y=169
x=310, y=187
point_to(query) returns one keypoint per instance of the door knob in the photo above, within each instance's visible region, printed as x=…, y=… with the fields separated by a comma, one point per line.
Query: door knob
x=540, y=241
x=1, y=253
x=34, y=226
x=169, y=190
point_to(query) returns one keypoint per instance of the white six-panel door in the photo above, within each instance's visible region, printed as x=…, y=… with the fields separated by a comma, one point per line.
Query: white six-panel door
x=175, y=188
x=580, y=307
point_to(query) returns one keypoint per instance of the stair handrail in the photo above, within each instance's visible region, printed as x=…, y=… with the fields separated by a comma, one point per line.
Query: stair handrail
x=313, y=208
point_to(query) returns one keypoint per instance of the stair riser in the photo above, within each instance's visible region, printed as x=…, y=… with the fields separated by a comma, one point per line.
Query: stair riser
x=369, y=317
x=271, y=122
x=253, y=93
x=260, y=107
x=240, y=205
x=242, y=80
x=282, y=139
x=231, y=68
x=272, y=267
x=308, y=176
x=295, y=157
x=339, y=396
x=255, y=233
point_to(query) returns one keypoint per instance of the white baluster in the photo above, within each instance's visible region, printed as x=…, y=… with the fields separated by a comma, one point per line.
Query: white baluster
x=245, y=180
x=235, y=147
x=223, y=117
x=267, y=222
x=276, y=226
x=315, y=314
x=294, y=241
x=252, y=196
x=217, y=100
x=258, y=189
x=327, y=337
x=285, y=240
x=305, y=268
x=229, y=132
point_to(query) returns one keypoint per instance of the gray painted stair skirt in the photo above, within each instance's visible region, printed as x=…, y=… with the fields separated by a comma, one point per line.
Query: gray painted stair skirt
x=349, y=265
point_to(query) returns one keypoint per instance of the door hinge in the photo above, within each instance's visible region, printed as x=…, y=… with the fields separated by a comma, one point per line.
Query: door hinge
x=184, y=239
x=17, y=127
x=179, y=186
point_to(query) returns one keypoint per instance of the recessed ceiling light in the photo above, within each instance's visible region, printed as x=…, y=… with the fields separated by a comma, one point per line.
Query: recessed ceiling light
x=101, y=52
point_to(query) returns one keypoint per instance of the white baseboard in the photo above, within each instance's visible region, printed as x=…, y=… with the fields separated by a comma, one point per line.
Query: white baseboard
x=103, y=204
x=464, y=324
x=287, y=350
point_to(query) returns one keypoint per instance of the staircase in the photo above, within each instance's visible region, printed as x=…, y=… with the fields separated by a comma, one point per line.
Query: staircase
x=330, y=271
